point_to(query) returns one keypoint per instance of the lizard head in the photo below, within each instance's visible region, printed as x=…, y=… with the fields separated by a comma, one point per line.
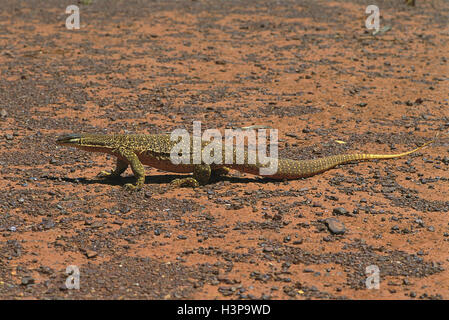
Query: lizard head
x=89, y=142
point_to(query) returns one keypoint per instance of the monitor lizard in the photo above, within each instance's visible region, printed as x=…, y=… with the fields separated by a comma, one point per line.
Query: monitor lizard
x=136, y=150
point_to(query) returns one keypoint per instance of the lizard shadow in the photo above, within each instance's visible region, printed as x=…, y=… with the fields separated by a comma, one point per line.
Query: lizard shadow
x=158, y=179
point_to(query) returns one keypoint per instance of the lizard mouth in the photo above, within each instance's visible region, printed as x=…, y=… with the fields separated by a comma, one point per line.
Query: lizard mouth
x=69, y=139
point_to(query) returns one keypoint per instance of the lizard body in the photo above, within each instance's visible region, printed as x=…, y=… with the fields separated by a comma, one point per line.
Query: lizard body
x=136, y=150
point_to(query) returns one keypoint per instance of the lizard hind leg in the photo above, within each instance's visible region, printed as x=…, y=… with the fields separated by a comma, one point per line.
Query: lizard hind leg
x=222, y=171
x=201, y=176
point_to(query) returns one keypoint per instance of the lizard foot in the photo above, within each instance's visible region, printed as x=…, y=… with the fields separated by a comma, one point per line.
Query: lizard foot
x=131, y=187
x=107, y=175
x=185, y=182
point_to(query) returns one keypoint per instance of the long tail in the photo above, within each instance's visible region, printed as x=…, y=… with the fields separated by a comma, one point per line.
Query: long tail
x=294, y=169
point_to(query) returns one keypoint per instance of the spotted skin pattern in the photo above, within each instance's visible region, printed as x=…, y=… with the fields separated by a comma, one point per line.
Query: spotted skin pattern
x=154, y=151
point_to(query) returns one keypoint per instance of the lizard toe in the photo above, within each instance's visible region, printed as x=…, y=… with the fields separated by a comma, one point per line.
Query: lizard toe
x=104, y=174
x=131, y=187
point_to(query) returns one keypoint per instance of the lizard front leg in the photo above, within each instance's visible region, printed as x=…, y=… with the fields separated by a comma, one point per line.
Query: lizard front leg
x=120, y=167
x=201, y=176
x=131, y=158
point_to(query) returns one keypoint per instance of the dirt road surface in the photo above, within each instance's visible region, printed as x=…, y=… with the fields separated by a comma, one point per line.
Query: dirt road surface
x=310, y=69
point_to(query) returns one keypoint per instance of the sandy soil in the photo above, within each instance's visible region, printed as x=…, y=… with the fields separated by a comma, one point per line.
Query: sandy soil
x=307, y=68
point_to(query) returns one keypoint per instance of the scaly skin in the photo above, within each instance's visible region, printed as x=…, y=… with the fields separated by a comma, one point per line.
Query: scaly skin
x=154, y=150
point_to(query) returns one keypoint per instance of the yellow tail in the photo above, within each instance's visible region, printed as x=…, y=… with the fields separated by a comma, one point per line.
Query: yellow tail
x=391, y=156
x=293, y=169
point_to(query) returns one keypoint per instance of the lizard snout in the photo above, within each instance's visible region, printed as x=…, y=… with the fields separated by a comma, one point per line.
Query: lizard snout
x=69, y=139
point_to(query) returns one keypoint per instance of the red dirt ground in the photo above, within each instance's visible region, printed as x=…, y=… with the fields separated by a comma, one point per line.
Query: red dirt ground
x=307, y=68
